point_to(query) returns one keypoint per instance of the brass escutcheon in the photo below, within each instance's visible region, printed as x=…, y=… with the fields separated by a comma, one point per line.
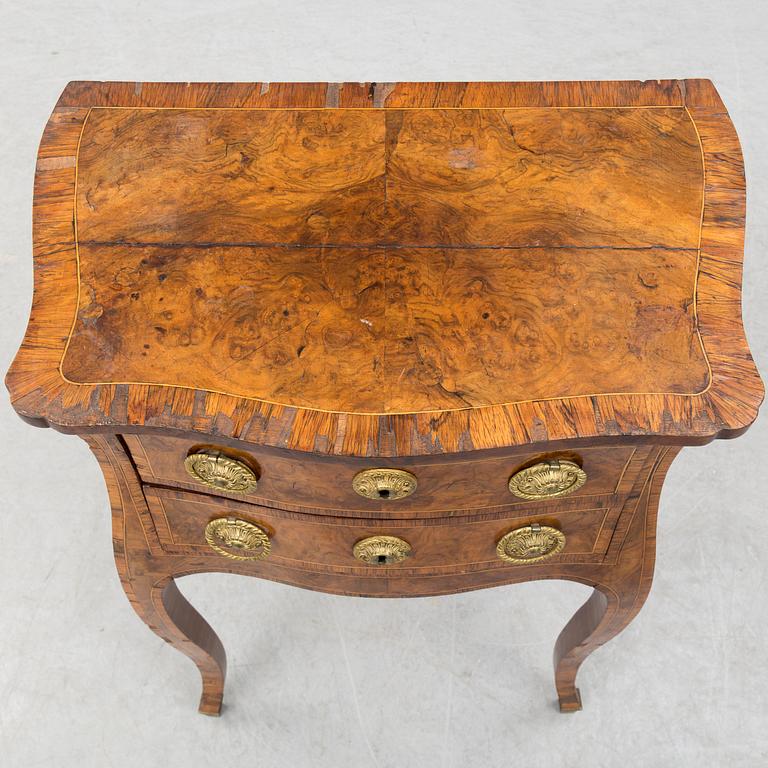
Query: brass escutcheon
x=217, y=470
x=547, y=480
x=530, y=544
x=384, y=484
x=237, y=539
x=381, y=550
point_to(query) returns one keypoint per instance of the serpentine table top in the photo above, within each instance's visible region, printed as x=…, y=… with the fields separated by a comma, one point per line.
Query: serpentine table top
x=390, y=269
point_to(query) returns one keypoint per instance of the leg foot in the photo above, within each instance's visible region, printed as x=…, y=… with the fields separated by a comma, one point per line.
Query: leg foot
x=210, y=704
x=570, y=702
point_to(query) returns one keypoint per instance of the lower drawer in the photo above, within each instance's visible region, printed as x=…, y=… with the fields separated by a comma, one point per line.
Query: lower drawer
x=309, y=541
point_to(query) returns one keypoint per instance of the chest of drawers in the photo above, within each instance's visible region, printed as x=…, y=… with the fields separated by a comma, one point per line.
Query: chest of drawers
x=388, y=340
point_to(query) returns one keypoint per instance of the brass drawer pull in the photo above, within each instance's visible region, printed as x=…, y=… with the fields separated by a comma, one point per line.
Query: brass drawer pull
x=237, y=539
x=547, y=480
x=217, y=470
x=381, y=550
x=530, y=544
x=384, y=484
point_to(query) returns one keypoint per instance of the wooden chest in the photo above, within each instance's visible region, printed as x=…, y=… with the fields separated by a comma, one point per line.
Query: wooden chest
x=388, y=339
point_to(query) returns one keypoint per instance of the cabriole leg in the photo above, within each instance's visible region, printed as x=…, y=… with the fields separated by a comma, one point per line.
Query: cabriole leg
x=147, y=574
x=620, y=594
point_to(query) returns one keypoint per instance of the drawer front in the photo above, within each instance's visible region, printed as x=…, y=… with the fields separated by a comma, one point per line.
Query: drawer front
x=314, y=542
x=446, y=485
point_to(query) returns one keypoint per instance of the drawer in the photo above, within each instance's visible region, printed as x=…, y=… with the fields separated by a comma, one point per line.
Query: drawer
x=314, y=542
x=312, y=483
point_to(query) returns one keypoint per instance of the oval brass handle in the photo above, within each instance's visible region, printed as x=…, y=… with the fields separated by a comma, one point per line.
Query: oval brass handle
x=381, y=550
x=237, y=539
x=217, y=470
x=547, y=480
x=530, y=544
x=384, y=484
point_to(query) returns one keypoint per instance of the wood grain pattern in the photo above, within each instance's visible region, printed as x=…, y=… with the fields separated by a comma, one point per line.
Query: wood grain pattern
x=369, y=332
x=684, y=411
x=470, y=177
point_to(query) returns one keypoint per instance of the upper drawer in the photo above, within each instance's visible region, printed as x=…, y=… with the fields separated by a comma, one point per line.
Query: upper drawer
x=444, y=485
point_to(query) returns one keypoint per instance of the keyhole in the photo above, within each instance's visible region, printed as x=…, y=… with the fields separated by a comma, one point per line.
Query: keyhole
x=383, y=493
x=381, y=559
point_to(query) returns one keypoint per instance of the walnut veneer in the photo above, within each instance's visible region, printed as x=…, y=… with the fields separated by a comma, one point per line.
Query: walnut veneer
x=480, y=284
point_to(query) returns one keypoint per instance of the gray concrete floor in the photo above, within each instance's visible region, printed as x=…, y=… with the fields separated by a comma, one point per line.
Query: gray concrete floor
x=326, y=681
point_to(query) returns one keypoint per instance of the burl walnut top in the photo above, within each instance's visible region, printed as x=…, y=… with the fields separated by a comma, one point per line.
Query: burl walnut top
x=390, y=269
